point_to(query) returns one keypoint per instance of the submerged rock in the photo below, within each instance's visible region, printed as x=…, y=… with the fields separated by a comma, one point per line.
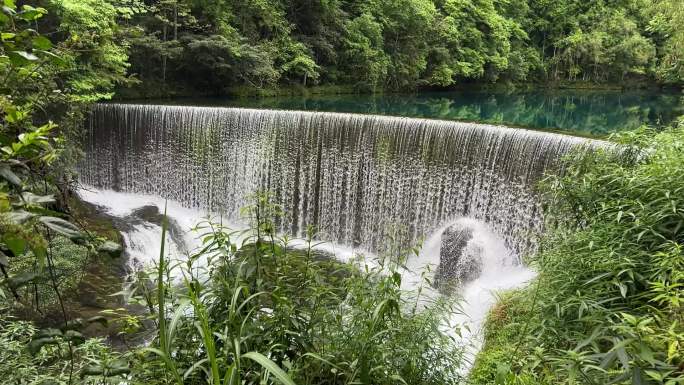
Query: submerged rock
x=459, y=259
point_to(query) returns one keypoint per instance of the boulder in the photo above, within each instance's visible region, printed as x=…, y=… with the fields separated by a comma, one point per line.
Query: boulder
x=459, y=259
x=110, y=248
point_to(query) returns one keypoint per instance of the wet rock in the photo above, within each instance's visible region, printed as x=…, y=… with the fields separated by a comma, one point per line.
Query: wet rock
x=151, y=215
x=459, y=259
x=112, y=249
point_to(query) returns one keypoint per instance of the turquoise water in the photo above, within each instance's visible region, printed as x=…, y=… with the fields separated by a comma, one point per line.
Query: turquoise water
x=594, y=113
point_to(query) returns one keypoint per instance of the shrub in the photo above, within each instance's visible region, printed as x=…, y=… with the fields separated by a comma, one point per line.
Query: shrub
x=607, y=304
x=252, y=308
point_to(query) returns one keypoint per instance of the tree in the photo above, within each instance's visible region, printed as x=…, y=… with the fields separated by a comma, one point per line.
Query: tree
x=667, y=26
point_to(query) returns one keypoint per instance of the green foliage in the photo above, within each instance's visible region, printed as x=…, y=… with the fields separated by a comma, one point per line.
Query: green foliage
x=43, y=74
x=95, y=362
x=607, y=305
x=211, y=46
x=250, y=308
x=94, y=58
x=666, y=27
x=33, y=67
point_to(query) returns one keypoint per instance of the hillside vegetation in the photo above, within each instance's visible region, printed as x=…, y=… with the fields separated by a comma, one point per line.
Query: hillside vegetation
x=404, y=44
x=607, y=306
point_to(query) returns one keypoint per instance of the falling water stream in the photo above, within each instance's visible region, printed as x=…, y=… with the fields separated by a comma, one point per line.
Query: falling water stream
x=351, y=176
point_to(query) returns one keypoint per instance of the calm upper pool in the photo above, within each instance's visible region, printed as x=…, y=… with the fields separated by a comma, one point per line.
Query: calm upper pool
x=595, y=113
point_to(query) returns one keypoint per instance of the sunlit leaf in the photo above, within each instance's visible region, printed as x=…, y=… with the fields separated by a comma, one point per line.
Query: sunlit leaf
x=19, y=216
x=41, y=42
x=24, y=55
x=270, y=366
x=15, y=244
x=33, y=199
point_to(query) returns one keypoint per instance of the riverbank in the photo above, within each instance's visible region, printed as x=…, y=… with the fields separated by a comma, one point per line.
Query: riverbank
x=160, y=91
x=86, y=278
x=606, y=305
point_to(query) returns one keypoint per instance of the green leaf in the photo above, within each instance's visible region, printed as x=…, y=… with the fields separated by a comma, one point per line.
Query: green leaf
x=35, y=345
x=27, y=56
x=637, y=377
x=117, y=368
x=9, y=10
x=74, y=324
x=62, y=227
x=30, y=13
x=98, y=319
x=47, y=333
x=112, y=249
x=74, y=336
x=15, y=244
x=92, y=370
x=22, y=279
x=232, y=376
x=19, y=217
x=9, y=175
x=319, y=358
x=270, y=366
x=40, y=252
x=41, y=42
x=33, y=199
x=168, y=362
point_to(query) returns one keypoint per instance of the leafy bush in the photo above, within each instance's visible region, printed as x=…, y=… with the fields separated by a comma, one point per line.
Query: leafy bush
x=50, y=365
x=607, y=305
x=259, y=310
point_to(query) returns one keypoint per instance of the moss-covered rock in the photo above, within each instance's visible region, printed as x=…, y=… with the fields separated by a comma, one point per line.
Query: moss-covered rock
x=85, y=278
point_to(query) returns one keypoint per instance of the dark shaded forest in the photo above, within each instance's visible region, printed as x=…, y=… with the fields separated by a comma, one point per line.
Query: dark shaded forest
x=212, y=45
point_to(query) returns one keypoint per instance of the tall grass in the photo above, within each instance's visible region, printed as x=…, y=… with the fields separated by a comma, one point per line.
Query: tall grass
x=606, y=307
x=246, y=308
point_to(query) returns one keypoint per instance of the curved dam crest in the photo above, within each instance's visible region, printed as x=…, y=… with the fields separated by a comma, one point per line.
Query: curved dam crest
x=352, y=176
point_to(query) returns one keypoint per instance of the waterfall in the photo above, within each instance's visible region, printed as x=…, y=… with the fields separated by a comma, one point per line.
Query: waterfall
x=351, y=176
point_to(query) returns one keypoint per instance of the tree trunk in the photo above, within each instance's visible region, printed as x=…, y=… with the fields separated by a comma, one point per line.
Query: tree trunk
x=175, y=21
x=164, y=38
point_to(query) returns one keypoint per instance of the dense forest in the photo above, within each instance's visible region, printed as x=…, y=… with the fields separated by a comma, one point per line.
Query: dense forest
x=212, y=46
x=404, y=44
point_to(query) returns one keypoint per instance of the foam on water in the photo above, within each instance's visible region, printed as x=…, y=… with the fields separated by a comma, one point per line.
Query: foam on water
x=501, y=269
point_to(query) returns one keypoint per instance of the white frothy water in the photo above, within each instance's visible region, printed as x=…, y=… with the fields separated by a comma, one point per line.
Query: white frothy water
x=143, y=238
x=501, y=268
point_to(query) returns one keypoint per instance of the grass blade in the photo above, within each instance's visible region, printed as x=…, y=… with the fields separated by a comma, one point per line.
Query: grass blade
x=270, y=366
